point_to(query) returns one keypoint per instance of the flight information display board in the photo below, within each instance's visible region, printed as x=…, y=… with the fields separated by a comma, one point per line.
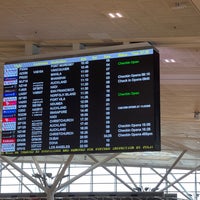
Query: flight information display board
x=106, y=102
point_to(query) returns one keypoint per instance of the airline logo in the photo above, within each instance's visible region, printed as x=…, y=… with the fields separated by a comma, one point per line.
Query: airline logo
x=11, y=107
x=10, y=94
x=10, y=140
x=8, y=99
x=9, y=103
x=9, y=113
x=11, y=119
x=10, y=72
x=8, y=145
x=10, y=81
x=8, y=126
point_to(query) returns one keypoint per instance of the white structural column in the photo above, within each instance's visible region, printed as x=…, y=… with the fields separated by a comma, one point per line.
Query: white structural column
x=50, y=190
x=61, y=174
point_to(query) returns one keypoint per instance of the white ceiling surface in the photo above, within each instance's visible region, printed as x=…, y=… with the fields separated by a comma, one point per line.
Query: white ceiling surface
x=173, y=26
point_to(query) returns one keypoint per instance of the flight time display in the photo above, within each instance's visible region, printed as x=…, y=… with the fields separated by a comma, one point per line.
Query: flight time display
x=86, y=104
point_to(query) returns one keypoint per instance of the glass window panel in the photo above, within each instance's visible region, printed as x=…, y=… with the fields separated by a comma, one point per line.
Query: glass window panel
x=100, y=170
x=150, y=178
x=9, y=189
x=25, y=190
x=5, y=173
x=9, y=173
x=103, y=188
x=122, y=188
x=27, y=181
x=112, y=169
x=187, y=186
x=80, y=188
x=50, y=165
x=28, y=165
x=171, y=178
x=135, y=178
x=9, y=181
x=124, y=178
x=32, y=187
x=103, y=179
x=83, y=179
x=146, y=170
x=31, y=171
x=198, y=186
x=162, y=185
x=178, y=171
x=198, y=175
x=133, y=170
x=79, y=166
x=76, y=171
x=120, y=170
x=172, y=189
x=160, y=171
x=188, y=179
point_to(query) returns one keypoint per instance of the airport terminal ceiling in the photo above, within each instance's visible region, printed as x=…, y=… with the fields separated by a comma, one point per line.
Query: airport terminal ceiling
x=172, y=26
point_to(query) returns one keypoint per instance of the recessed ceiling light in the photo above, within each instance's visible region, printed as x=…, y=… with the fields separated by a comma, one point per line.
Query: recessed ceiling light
x=115, y=15
x=169, y=60
x=172, y=60
x=166, y=60
x=119, y=15
x=111, y=15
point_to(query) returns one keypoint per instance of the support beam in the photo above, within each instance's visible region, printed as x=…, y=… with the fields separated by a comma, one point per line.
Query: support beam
x=181, y=186
x=112, y=173
x=22, y=172
x=39, y=170
x=188, y=197
x=179, y=179
x=165, y=176
x=88, y=170
x=61, y=174
x=17, y=178
x=126, y=173
x=5, y=166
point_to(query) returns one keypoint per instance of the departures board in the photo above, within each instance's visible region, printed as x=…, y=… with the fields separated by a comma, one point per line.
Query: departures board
x=91, y=103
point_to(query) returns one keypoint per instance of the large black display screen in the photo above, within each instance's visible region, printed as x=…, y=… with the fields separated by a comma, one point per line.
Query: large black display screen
x=98, y=103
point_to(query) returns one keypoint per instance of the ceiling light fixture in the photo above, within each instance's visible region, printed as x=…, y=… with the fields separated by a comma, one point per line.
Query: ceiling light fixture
x=119, y=15
x=166, y=60
x=111, y=15
x=169, y=60
x=172, y=60
x=115, y=15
